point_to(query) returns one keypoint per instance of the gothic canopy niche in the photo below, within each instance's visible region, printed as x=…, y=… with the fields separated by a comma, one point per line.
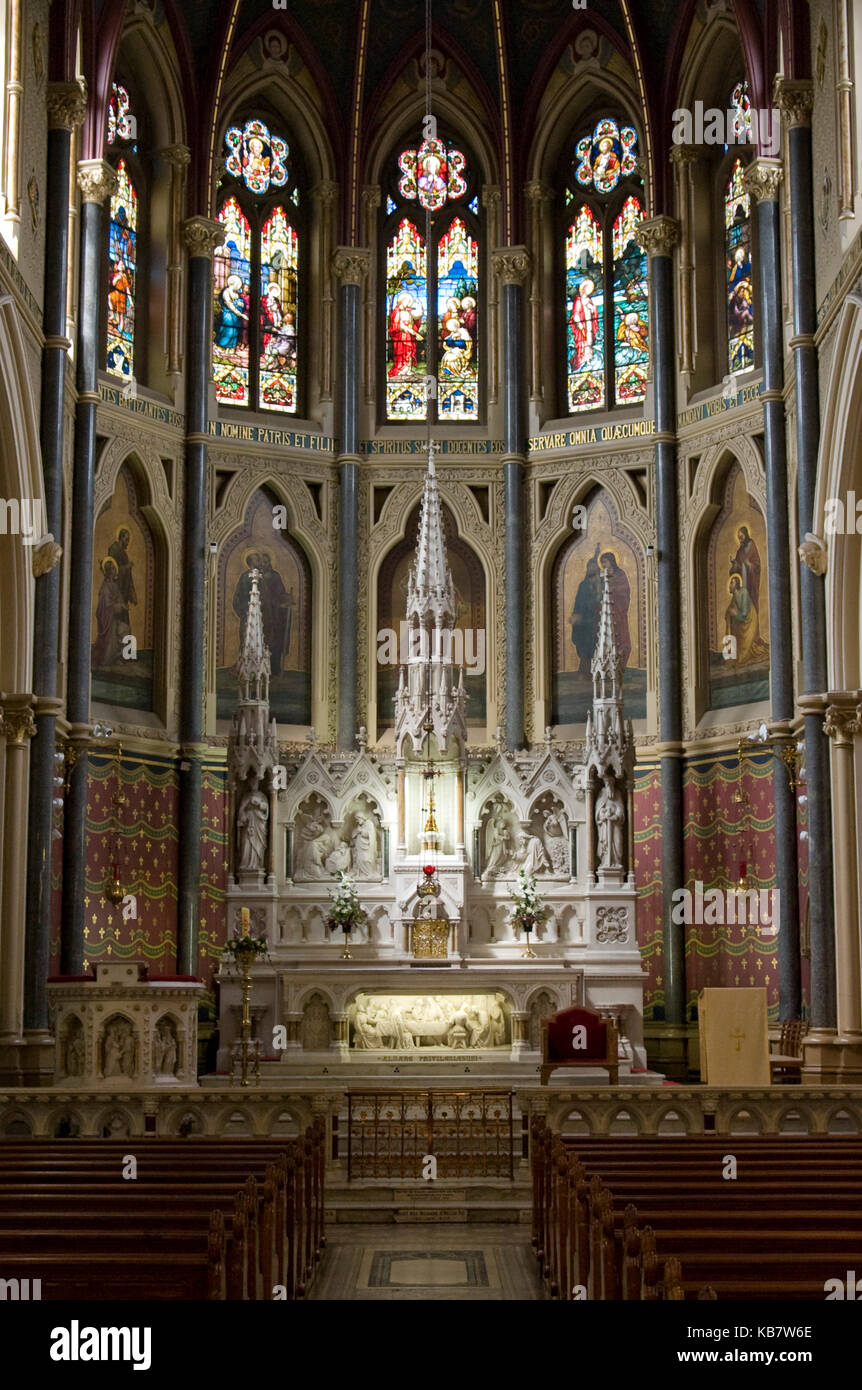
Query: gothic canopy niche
x=733, y=570
x=470, y=638
x=285, y=596
x=126, y=660
x=601, y=541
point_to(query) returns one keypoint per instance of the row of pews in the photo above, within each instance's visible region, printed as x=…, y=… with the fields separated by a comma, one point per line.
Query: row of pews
x=202, y=1218
x=730, y=1217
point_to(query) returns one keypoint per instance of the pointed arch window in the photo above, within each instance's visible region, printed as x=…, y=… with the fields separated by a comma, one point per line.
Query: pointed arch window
x=605, y=273
x=434, y=292
x=124, y=256
x=257, y=354
x=739, y=289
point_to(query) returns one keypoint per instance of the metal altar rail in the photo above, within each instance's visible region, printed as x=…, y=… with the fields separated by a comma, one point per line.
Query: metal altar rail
x=391, y=1134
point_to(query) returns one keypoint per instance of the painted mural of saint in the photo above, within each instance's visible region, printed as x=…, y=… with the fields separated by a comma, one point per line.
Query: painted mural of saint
x=742, y=623
x=746, y=563
x=119, y=553
x=585, y=613
x=112, y=619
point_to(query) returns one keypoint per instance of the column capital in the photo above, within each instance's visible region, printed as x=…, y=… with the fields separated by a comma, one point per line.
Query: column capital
x=202, y=235
x=97, y=180
x=511, y=264
x=491, y=195
x=843, y=722
x=371, y=196
x=658, y=235
x=795, y=99
x=537, y=191
x=325, y=192
x=813, y=553
x=762, y=178
x=67, y=104
x=18, y=723
x=684, y=154
x=178, y=156
x=351, y=264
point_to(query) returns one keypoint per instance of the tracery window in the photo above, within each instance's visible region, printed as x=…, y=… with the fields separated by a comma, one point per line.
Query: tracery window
x=257, y=273
x=433, y=302
x=124, y=279
x=739, y=289
x=606, y=294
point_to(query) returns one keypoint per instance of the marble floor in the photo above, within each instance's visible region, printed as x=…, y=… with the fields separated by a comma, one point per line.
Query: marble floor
x=422, y=1263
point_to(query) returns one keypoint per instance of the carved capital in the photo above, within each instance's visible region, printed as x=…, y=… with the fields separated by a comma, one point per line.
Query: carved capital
x=762, y=178
x=18, y=724
x=325, y=192
x=812, y=552
x=45, y=556
x=371, y=196
x=795, y=99
x=511, y=264
x=490, y=196
x=97, y=180
x=683, y=154
x=658, y=235
x=350, y=264
x=67, y=104
x=538, y=192
x=842, y=722
x=178, y=156
x=202, y=235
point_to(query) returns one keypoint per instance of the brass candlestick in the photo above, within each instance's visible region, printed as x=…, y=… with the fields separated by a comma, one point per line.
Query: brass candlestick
x=244, y=961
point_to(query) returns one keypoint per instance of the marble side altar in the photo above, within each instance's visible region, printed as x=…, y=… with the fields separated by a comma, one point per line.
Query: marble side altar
x=437, y=980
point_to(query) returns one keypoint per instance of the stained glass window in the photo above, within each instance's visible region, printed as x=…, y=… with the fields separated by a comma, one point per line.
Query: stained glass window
x=406, y=324
x=121, y=123
x=256, y=156
x=232, y=284
x=457, y=347
x=606, y=285
x=740, y=103
x=606, y=156
x=740, y=293
x=433, y=174
x=122, y=275
x=585, y=313
x=279, y=270
x=631, y=307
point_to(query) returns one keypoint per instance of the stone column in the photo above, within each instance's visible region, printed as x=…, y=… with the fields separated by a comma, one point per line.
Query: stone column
x=844, y=723
x=202, y=235
x=178, y=157
x=97, y=181
x=762, y=180
x=350, y=265
x=324, y=195
x=658, y=236
x=682, y=157
x=512, y=266
x=520, y=1041
x=67, y=106
x=459, y=809
x=400, y=774
x=539, y=195
x=795, y=101
x=17, y=728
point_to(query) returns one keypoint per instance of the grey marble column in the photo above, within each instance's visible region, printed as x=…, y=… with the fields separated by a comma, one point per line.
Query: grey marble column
x=512, y=266
x=658, y=236
x=795, y=101
x=350, y=266
x=762, y=179
x=67, y=106
x=97, y=182
x=202, y=235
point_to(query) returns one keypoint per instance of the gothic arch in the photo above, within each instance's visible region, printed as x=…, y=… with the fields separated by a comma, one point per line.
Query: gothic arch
x=20, y=478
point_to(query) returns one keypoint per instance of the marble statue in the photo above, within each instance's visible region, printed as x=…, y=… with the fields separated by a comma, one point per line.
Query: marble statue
x=498, y=844
x=312, y=843
x=434, y=1021
x=364, y=853
x=165, y=1048
x=338, y=859
x=610, y=825
x=119, y=1048
x=531, y=855
x=556, y=840
x=251, y=826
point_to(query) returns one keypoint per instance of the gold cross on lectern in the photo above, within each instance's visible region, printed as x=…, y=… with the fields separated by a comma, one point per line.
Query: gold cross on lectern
x=738, y=1035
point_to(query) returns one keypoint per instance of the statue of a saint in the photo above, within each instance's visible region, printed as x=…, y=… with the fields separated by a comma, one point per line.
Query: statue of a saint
x=251, y=826
x=610, y=825
x=498, y=844
x=363, y=846
x=165, y=1048
x=311, y=844
x=532, y=855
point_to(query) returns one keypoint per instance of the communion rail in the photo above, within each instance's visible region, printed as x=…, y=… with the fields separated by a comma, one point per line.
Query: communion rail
x=469, y=1134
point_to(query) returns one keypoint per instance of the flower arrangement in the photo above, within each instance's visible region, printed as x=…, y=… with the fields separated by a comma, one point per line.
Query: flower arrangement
x=242, y=945
x=346, y=911
x=528, y=909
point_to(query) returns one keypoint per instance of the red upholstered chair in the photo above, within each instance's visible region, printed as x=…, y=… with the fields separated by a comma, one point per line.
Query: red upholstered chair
x=558, y=1049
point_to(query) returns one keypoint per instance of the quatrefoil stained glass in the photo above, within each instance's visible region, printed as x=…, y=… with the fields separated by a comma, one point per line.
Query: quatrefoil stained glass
x=433, y=174
x=256, y=156
x=606, y=156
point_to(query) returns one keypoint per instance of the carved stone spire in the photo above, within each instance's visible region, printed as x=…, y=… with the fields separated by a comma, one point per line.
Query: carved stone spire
x=609, y=742
x=253, y=666
x=253, y=745
x=429, y=698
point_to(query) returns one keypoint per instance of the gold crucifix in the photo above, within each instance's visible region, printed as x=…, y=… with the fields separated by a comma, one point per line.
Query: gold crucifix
x=738, y=1035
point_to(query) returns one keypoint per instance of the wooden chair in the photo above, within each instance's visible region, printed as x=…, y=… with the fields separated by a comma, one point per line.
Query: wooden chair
x=558, y=1049
x=787, y=1061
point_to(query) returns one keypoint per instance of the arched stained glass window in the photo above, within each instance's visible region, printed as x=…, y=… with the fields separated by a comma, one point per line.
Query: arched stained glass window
x=232, y=285
x=740, y=105
x=606, y=289
x=433, y=299
x=740, y=293
x=257, y=283
x=631, y=307
x=122, y=276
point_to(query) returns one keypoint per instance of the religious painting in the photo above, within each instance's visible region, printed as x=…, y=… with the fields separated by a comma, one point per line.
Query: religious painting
x=122, y=276
x=738, y=599
x=122, y=611
x=603, y=542
x=585, y=313
x=284, y=585
x=406, y=321
x=279, y=273
x=470, y=637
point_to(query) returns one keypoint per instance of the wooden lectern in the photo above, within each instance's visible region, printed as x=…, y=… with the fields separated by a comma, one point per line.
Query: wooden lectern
x=734, y=1037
